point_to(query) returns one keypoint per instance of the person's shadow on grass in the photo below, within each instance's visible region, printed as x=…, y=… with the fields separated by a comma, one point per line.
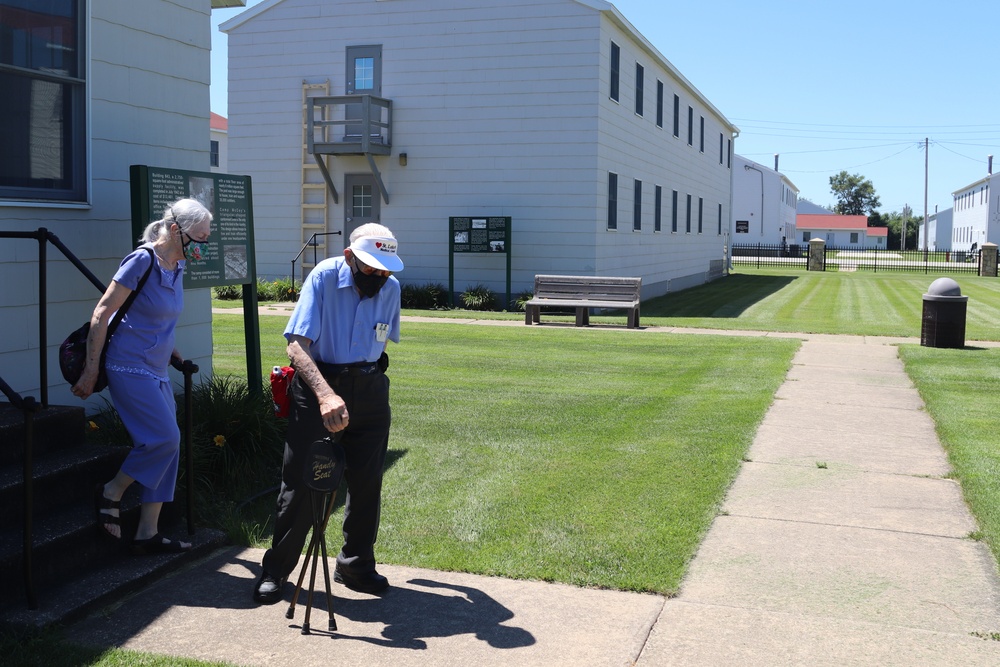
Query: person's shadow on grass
x=410, y=616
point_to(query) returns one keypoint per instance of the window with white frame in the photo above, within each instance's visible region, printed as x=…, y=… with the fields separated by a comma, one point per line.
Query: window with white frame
x=612, y=200
x=43, y=153
x=616, y=54
x=637, y=207
x=639, y=86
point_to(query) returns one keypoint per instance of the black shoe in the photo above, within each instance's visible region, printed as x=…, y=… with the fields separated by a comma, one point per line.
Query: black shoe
x=364, y=582
x=268, y=589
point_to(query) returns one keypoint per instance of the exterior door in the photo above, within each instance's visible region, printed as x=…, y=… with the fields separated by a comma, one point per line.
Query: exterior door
x=361, y=203
x=363, y=77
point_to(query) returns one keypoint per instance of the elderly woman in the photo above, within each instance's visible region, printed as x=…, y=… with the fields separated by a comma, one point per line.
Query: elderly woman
x=137, y=359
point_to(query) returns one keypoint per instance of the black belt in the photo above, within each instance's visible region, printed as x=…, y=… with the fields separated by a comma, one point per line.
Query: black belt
x=360, y=368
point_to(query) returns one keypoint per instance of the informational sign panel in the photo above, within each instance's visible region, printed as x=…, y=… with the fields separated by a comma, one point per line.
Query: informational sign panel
x=742, y=226
x=478, y=234
x=228, y=257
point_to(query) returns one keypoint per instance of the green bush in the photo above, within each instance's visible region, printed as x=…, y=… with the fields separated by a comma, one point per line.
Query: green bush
x=521, y=299
x=479, y=297
x=227, y=292
x=237, y=441
x=424, y=297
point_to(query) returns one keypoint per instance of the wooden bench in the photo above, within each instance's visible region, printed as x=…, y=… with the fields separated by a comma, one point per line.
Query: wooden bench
x=584, y=293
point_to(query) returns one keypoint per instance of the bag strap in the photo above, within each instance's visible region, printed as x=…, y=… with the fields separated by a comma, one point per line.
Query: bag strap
x=128, y=302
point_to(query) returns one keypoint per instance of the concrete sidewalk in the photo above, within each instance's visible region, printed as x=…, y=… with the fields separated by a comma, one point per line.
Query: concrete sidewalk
x=841, y=542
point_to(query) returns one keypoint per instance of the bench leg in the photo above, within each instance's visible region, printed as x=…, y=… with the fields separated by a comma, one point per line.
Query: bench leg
x=582, y=316
x=527, y=315
x=633, y=319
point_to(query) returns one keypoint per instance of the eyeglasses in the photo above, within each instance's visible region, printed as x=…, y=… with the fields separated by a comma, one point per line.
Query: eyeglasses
x=191, y=238
x=369, y=270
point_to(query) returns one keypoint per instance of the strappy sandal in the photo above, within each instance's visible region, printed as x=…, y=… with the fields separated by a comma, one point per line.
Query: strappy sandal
x=102, y=508
x=157, y=544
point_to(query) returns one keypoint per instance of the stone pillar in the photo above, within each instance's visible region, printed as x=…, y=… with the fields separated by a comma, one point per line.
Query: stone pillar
x=817, y=255
x=988, y=267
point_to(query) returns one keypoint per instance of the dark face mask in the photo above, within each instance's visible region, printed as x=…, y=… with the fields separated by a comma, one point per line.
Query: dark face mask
x=368, y=285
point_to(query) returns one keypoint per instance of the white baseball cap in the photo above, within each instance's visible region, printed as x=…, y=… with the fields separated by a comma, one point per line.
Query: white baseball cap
x=378, y=252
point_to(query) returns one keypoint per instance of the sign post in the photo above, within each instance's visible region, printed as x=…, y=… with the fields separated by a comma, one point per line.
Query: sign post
x=230, y=257
x=477, y=235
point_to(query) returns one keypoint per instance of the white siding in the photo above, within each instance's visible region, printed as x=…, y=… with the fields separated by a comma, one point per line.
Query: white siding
x=148, y=104
x=502, y=110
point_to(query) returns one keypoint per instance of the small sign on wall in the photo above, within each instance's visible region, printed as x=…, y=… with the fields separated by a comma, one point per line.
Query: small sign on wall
x=742, y=226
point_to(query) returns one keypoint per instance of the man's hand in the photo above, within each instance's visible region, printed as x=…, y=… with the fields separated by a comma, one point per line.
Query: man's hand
x=334, y=413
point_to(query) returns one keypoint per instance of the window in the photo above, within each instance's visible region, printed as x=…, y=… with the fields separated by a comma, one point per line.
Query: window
x=612, y=200
x=673, y=217
x=729, y=154
x=639, y=71
x=690, y=126
x=213, y=154
x=637, y=207
x=701, y=211
x=361, y=201
x=722, y=147
x=43, y=78
x=687, y=216
x=701, y=135
x=805, y=237
x=659, y=104
x=720, y=220
x=677, y=116
x=854, y=237
x=657, y=213
x=615, y=59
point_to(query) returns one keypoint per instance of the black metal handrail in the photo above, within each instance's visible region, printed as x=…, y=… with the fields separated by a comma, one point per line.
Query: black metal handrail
x=29, y=406
x=310, y=242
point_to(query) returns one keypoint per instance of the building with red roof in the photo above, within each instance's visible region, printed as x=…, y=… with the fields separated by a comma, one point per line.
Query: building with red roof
x=841, y=231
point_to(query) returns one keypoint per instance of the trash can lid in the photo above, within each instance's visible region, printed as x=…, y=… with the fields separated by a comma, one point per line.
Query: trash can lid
x=944, y=289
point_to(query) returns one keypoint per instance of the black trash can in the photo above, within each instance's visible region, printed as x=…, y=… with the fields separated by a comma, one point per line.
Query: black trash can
x=943, y=322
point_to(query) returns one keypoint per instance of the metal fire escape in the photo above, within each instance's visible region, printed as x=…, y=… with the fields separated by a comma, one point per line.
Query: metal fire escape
x=342, y=125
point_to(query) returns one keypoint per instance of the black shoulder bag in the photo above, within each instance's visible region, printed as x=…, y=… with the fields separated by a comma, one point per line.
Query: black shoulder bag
x=73, y=351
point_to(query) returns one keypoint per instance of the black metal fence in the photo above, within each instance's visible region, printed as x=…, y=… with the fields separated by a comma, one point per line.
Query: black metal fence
x=858, y=259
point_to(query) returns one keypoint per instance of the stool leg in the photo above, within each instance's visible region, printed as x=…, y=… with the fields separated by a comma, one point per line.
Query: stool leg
x=319, y=539
x=302, y=574
x=332, y=623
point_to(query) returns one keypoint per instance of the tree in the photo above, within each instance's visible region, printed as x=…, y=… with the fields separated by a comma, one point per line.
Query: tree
x=894, y=221
x=855, y=194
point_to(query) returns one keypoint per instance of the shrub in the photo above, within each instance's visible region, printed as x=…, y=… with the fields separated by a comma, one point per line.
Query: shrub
x=228, y=292
x=425, y=297
x=521, y=299
x=479, y=297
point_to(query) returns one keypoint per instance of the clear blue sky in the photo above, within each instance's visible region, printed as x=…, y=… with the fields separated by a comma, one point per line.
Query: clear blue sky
x=855, y=85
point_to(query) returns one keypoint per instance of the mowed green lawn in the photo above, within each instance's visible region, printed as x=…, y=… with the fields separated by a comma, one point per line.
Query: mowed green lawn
x=586, y=457
x=861, y=303
x=960, y=387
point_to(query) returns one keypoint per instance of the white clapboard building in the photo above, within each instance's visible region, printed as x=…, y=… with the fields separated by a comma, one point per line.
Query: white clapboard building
x=556, y=113
x=91, y=88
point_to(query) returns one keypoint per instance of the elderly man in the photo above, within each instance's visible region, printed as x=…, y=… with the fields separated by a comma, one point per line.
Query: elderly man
x=347, y=312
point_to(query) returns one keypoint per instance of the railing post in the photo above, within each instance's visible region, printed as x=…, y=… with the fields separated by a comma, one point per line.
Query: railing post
x=29, y=407
x=189, y=368
x=43, y=319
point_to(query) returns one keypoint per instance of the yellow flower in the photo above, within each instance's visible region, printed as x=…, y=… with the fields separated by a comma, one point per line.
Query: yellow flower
x=92, y=426
x=220, y=440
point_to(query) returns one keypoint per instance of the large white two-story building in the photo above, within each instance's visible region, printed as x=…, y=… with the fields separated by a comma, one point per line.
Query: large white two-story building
x=764, y=204
x=556, y=113
x=976, y=214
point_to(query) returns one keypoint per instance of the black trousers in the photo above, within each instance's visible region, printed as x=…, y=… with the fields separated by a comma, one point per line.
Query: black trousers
x=365, y=441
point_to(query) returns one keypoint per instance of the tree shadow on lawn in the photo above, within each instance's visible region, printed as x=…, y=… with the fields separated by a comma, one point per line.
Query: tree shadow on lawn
x=727, y=297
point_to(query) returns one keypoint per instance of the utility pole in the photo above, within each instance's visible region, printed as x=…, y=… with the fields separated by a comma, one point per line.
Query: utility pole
x=927, y=153
x=902, y=234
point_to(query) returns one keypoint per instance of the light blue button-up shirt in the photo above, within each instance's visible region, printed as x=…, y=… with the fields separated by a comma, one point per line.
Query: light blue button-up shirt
x=340, y=324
